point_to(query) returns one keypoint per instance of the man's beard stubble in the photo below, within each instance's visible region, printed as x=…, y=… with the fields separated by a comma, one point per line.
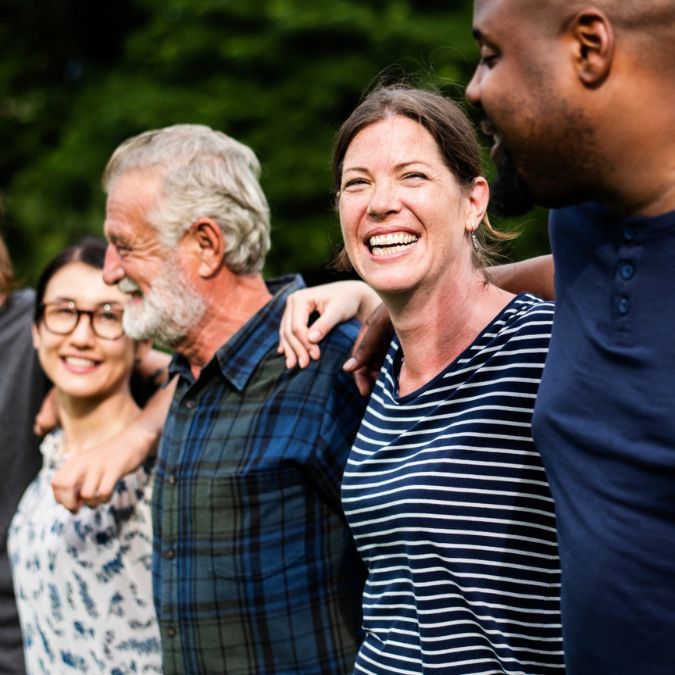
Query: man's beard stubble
x=509, y=193
x=167, y=312
x=562, y=161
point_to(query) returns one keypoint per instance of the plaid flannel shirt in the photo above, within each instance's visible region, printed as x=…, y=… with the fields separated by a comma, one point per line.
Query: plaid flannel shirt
x=254, y=568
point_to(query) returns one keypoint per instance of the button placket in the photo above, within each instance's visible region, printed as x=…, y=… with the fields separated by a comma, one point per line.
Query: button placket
x=624, y=279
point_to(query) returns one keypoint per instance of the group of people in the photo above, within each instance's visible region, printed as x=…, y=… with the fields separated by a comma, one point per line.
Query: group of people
x=501, y=502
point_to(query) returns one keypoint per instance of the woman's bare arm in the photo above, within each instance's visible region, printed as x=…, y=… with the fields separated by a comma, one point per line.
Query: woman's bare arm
x=534, y=275
x=345, y=300
x=335, y=302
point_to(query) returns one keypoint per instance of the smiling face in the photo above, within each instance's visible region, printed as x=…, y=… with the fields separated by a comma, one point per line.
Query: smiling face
x=405, y=219
x=163, y=304
x=134, y=249
x=533, y=105
x=81, y=364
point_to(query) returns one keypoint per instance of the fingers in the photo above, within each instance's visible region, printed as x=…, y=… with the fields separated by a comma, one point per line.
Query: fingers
x=66, y=488
x=89, y=477
x=77, y=484
x=90, y=491
x=372, y=344
x=365, y=379
x=294, y=341
x=335, y=302
x=39, y=428
x=355, y=361
x=106, y=486
x=294, y=349
x=47, y=417
x=331, y=316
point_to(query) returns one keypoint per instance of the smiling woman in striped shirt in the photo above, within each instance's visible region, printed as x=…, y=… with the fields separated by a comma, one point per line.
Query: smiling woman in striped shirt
x=444, y=490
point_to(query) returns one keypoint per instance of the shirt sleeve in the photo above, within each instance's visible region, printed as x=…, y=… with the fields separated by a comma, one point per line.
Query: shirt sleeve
x=341, y=421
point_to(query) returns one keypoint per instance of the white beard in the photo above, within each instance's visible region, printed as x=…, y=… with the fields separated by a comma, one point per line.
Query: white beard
x=167, y=312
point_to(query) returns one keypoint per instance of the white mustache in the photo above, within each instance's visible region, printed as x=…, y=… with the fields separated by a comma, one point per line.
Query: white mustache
x=128, y=286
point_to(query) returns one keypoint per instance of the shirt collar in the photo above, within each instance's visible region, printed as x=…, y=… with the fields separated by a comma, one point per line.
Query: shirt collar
x=241, y=354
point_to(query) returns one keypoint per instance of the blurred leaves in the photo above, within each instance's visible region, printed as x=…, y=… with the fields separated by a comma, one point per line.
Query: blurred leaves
x=76, y=78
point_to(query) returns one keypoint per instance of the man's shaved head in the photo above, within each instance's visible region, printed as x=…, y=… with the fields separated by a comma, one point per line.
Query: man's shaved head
x=569, y=89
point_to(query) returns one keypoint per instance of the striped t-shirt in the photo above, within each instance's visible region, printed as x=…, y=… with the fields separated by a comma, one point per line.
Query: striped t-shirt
x=451, y=511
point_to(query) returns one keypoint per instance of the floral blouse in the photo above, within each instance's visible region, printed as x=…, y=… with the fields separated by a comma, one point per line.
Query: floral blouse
x=83, y=581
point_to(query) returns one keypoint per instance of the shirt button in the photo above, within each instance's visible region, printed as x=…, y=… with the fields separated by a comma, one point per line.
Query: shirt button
x=623, y=305
x=628, y=234
x=627, y=271
x=172, y=479
x=171, y=631
x=170, y=554
x=190, y=404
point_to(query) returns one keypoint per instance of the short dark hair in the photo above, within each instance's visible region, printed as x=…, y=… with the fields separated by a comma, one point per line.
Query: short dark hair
x=89, y=250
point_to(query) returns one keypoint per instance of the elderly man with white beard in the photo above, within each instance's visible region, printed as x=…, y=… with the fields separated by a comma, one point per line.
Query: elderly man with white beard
x=254, y=567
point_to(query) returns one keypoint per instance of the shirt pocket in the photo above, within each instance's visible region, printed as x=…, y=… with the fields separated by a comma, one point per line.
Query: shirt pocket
x=259, y=523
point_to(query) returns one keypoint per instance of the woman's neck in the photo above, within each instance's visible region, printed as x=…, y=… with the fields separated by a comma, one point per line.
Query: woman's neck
x=88, y=422
x=435, y=327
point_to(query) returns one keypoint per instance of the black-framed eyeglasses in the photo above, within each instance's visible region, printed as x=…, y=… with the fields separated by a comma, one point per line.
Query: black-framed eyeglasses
x=61, y=317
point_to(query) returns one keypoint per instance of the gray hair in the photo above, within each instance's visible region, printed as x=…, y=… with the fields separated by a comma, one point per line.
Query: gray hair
x=204, y=173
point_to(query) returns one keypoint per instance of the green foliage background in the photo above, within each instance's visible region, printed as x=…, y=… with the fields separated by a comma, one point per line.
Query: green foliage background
x=76, y=78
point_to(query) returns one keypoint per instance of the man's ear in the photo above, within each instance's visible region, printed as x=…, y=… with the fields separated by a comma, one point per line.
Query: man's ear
x=210, y=246
x=593, y=43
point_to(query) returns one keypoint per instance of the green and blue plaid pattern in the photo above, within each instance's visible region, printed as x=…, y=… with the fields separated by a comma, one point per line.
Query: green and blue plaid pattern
x=254, y=568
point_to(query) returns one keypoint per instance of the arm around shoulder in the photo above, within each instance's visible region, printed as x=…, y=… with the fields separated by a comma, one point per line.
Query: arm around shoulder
x=535, y=275
x=335, y=302
x=90, y=477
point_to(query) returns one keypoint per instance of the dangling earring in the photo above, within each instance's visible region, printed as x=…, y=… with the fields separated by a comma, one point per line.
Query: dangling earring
x=474, y=241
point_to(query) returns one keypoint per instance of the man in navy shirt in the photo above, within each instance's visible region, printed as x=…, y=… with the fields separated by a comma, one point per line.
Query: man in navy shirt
x=580, y=99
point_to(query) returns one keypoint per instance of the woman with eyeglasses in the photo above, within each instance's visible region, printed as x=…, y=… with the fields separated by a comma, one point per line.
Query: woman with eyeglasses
x=83, y=581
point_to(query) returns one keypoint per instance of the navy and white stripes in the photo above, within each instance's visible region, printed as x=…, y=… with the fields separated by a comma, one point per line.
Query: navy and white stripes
x=450, y=509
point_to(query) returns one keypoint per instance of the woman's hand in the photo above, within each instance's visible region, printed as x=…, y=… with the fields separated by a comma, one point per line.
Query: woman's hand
x=335, y=302
x=47, y=418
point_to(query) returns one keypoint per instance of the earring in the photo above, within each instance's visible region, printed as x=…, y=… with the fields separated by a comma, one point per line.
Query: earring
x=474, y=241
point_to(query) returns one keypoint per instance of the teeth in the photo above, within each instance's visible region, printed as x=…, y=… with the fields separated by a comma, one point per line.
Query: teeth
x=79, y=361
x=128, y=286
x=390, y=250
x=392, y=239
